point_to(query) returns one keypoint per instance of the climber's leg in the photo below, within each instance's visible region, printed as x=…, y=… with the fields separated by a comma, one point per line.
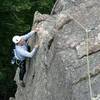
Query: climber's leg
x=22, y=67
x=22, y=70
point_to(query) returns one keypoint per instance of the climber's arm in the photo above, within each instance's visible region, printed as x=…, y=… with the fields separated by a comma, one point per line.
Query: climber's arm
x=28, y=54
x=28, y=35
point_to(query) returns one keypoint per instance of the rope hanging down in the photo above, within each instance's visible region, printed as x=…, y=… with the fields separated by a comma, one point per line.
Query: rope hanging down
x=87, y=54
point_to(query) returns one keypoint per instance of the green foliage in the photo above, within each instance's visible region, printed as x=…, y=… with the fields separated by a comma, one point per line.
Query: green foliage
x=16, y=17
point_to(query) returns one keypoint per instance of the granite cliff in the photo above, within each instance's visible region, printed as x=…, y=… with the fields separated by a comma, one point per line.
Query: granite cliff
x=59, y=69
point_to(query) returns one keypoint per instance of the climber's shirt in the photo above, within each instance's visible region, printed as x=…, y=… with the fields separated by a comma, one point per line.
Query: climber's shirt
x=21, y=52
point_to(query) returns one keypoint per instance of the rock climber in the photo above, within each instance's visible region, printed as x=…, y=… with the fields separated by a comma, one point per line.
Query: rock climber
x=21, y=52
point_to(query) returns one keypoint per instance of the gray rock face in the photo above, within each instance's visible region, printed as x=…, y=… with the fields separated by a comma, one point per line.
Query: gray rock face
x=59, y=69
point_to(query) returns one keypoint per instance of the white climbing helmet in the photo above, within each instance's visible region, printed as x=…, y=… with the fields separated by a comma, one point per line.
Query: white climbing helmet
x=16, y=39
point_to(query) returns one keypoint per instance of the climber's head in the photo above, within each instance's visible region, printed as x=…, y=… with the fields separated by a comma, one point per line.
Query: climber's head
x=18, y=40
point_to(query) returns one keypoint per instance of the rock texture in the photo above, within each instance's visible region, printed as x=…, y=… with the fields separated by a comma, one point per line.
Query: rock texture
x=59, y=69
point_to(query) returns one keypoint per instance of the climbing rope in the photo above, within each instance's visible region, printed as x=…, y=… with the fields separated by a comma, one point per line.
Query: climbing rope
x=88, y=63
x=54, y=7
x=87, y=54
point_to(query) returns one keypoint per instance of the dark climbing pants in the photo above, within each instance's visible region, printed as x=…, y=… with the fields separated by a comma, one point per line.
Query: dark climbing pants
x=22, y=66
x=22, y=70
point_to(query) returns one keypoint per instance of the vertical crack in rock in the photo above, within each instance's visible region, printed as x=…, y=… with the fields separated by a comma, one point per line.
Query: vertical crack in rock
x=50, y=43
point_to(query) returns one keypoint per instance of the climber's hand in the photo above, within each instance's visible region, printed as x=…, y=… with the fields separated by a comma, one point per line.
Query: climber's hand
x=37, y=29
x=36, y=46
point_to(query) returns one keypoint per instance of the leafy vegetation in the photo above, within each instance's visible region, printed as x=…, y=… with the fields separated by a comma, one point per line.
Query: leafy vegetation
x=16, y=17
